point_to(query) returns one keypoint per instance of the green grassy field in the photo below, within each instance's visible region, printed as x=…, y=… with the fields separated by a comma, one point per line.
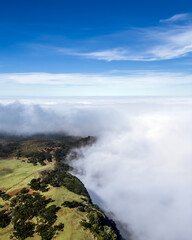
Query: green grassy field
x=15, y=174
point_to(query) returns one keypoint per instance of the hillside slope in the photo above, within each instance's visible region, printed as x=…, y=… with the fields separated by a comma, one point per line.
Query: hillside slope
x=40, y=199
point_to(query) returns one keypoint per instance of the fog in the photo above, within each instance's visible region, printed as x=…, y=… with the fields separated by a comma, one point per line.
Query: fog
x=139, y=170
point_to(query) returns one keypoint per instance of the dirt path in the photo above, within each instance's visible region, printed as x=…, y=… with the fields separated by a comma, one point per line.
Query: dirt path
x=38, y=172
x=20, y=181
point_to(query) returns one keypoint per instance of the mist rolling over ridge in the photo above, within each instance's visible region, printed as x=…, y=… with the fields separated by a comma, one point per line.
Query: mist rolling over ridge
x=101, y=90
x=140, y=166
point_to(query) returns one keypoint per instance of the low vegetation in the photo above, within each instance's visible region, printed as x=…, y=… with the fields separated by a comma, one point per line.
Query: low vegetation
x=40, y=199
x=31, y=214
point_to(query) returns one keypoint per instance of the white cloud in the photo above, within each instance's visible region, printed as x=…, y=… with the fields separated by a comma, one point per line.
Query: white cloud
x=130, y=78
x=115, y=54
x=148, y=44
x=164, y=44
x=130, y=83
x=177, y=17
x=108, y=55
x=176, y=42
x=45, y=78
x=140, y=167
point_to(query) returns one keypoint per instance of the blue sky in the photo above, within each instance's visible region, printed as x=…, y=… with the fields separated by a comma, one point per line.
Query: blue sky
x=95, y=48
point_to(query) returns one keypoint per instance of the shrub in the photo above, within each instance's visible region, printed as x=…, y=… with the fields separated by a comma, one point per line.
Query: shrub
x=72, y=204
x=5, y=219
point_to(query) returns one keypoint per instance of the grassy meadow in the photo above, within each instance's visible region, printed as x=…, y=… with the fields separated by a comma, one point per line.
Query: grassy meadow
x=15, y=174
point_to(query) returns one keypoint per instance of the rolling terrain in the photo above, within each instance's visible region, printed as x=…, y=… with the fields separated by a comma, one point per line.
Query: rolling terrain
x=40, y=199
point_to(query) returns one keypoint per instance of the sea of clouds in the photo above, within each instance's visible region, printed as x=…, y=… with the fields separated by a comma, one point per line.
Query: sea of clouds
x=139, y=170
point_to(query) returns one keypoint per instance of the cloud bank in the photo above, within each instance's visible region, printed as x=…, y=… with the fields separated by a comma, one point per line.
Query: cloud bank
x=113, y=77
x=141, y=170
x=112, y=83
x=140, y=167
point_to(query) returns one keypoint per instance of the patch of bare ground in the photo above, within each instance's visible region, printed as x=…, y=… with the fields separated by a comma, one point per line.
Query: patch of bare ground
x=12, y=193
x=4, y=189
x=61, y=212
x=5, y=169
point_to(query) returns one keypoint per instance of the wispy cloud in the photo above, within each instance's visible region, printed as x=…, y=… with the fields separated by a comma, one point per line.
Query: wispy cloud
x=108, y=55
x=113, y=77
x=177, y=17
x=176, y=42
x=150, y=44
x=133, y=83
